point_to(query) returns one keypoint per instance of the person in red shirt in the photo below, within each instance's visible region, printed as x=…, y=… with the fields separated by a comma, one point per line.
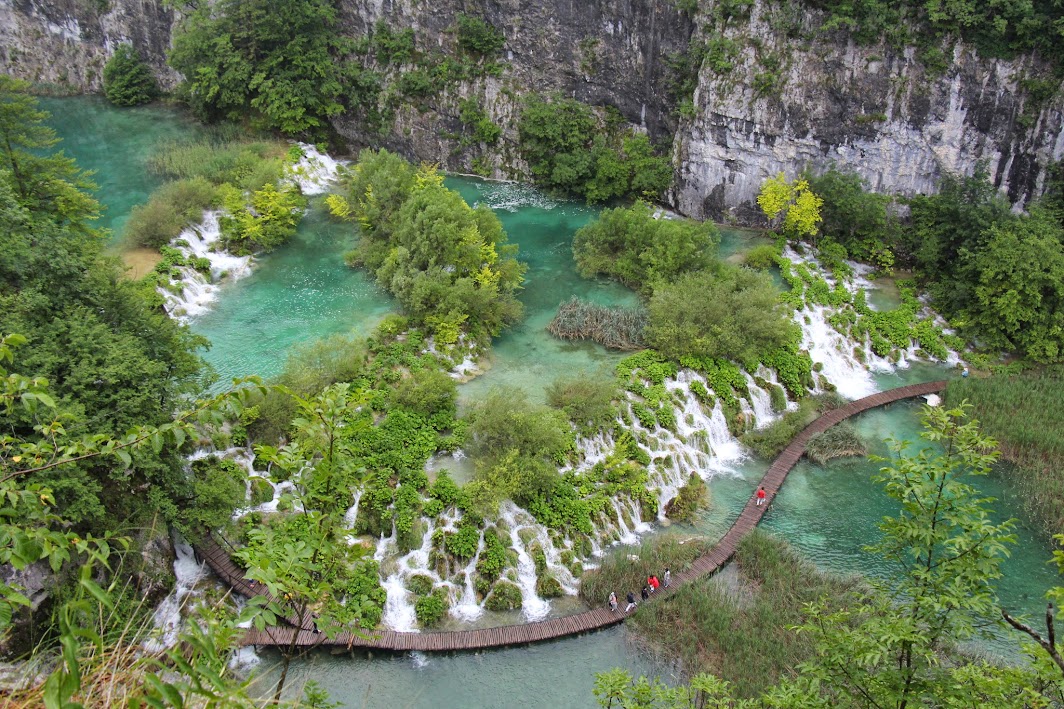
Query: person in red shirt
x=654, y=583
x=761, y=496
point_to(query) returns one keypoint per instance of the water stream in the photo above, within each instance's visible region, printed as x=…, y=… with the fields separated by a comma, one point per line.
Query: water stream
x=303, y=292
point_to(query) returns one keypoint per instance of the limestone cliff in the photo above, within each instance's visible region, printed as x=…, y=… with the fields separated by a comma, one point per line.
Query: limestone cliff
x=788, y=99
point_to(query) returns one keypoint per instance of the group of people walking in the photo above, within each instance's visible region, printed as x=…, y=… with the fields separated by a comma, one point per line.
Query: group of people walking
x=652, y=585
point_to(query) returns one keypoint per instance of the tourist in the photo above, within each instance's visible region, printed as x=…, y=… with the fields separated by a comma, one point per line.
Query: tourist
x=654, y=583
x=631, y=602
x=650, y=584
x=761, y=495
x=668, y=577
x=613, y=601
x=646, y=592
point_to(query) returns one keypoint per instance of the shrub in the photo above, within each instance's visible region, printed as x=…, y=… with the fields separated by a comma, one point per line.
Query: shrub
x=761, y=257
x=127, y=81
x=588, y=400
x=727, y=313
x=693, y=496
x=548, y=587
x=428, y=393
x=639, y=250
x=504, y=596
x=431, y=609
x=477, y=36
x=170, y=209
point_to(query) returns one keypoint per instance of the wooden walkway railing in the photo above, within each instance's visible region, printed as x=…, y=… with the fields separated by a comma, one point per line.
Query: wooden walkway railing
x=594, y=619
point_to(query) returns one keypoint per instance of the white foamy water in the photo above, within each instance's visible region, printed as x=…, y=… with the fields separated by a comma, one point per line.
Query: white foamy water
x=532, y=606
x=187, y=573
x=196, y=291
x=314, y=172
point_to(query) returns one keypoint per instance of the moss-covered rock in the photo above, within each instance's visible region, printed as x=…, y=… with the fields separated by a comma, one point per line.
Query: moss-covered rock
x=419, y=585
x=548, y=587
x=431, y=609
x=504, y=596
x=539, y=558
x=261, y=491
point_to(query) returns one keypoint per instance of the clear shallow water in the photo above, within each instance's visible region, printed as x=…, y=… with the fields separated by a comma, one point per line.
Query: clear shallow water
x=303, y=292
x=116, y=143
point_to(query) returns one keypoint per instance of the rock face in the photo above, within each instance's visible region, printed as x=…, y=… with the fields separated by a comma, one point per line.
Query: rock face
x=882, y=115
x=64, y=44
x=791, y=99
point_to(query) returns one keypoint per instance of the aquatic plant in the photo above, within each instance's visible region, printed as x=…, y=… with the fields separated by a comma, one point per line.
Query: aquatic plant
x=839, y=441
x=616, y=327
x=693, y=496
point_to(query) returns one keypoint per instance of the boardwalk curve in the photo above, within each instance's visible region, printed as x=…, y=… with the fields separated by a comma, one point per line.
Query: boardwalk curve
x=524, y=633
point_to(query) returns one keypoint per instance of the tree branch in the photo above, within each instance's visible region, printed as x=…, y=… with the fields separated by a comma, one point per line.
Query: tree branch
x=1047, y=644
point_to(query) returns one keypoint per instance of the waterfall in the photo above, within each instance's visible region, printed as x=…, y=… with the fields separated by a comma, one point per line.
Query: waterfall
x=351, y=516
x=627, y=537
x=192, y=293
x=533, y=607
x=466, y=607
x=760, y=406
x=827, y=346
x=314, y=172
x=167, y=619
x=399, y=614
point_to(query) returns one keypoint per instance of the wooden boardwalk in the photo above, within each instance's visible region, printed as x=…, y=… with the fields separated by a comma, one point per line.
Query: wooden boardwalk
x=525, y=633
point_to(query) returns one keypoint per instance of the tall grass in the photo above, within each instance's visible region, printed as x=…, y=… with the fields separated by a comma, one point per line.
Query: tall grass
x=614, y=327
x=738, y=626
x=839, y=441
x=1025, y=413
x=222, y=157
x=627, y=569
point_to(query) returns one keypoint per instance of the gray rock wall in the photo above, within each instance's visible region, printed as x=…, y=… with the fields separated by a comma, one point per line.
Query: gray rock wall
x=867, y=109
x=877, y=113
x=66, y=43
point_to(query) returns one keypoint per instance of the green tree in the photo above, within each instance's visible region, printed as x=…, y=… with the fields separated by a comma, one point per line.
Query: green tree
x=798, y=204
x=277, y=64
x=641, y=250
x=727, y=312
x=49, y=185
x=887, y=650
x=1019, y=292
x=127, y=81
x=855, y=218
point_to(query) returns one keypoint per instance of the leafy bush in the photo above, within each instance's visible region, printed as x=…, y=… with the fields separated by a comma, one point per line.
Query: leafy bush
x=269, y=221
x=431, y=609
x=761, y=257
x=639, y=250
x=727, y=313
x=477, y=36
x=568, y=150
x=588, y=400
x=693, y=496
x=428, y=393
x=170, y=209
x=447, y=263
x=127, y=81
x=504, y=596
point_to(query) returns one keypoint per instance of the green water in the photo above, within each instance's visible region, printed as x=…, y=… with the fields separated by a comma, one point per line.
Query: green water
x=555, y=674
x=116, y=143
x=303, y=292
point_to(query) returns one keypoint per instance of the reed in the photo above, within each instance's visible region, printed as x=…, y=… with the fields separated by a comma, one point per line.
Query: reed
x=1025, y=413
x=737, y=625
x=222, y=157
x=627, y=568
x=839, y=441
x=615, y=327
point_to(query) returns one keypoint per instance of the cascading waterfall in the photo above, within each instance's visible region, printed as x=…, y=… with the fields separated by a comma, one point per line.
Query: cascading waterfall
x=193, y=292
x=532, y=606
x=760, y=404
x=187, y=573
x=465, y=606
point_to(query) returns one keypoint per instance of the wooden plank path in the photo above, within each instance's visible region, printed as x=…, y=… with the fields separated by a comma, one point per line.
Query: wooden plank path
x=522, y=634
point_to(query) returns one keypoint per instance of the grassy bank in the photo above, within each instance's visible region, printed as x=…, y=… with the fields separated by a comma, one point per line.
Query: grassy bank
x=627, y=569
x=1025, y=413
x=736, y=625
